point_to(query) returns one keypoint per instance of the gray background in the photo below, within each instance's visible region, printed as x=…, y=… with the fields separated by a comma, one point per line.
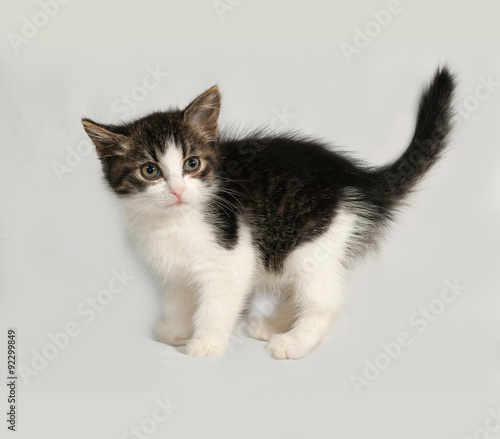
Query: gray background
x=60, y=238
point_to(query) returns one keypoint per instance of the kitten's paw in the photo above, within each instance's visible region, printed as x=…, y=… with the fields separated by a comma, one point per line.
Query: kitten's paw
x=202, y=348
x=262, y=330
x=167, y=333
x=288, y=347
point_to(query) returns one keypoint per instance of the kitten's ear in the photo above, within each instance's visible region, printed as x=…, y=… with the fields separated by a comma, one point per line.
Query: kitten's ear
x=106, y=142
x=202, y=114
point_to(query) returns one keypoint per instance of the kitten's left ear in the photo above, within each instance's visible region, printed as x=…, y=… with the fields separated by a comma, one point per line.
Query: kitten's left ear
x=202, y=114
x=107, y=143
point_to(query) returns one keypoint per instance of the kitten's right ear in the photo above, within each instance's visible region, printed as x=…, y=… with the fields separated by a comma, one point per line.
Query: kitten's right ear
x=202, y=114
x=107, y=143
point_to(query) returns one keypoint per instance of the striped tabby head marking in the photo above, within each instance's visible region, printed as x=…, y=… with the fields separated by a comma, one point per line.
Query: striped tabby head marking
x=166, y=160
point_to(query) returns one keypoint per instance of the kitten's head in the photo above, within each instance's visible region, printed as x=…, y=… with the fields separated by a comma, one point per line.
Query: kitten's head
x=165, y=161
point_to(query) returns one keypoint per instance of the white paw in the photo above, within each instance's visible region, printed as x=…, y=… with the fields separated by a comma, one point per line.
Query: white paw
x=261, y=330
x=288, y=347
x=202, y=348
x=166, y=332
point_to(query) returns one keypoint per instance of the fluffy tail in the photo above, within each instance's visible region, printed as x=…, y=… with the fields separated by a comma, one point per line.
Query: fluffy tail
x=434, y=122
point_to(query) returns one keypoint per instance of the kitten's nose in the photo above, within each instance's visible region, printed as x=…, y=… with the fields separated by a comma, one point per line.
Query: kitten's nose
x=178, y=192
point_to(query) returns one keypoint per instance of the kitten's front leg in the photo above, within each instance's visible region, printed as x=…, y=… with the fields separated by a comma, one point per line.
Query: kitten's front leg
x=219, y=303
x=176, y=328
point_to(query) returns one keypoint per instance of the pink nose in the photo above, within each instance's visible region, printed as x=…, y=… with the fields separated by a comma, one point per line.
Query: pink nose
x=178, y=192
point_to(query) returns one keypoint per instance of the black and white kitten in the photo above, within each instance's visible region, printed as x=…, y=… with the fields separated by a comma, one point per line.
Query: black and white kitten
x=217, y=218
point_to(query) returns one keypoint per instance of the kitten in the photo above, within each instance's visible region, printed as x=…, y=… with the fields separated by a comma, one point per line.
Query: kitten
x=217, y=217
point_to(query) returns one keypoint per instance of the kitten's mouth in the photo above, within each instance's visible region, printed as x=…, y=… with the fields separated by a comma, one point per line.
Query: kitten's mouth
x=178, y=203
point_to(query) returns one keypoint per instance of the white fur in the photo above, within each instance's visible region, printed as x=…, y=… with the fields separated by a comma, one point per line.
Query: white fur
x=311, y=284
x=205, y=286
x=171, y=163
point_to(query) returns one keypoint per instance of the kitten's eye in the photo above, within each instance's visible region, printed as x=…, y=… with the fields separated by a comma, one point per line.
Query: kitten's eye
x=150, y=171
x=191, y=164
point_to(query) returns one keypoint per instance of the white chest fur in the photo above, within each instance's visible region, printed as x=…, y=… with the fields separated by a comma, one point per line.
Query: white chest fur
x=184, y=245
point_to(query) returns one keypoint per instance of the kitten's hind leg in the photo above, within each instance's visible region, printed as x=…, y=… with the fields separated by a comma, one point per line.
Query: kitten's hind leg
x=315, y=272
x=317, y=303
x=263, y=327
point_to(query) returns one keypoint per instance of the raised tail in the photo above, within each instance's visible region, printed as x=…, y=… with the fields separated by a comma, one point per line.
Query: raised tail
x=434, y=122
